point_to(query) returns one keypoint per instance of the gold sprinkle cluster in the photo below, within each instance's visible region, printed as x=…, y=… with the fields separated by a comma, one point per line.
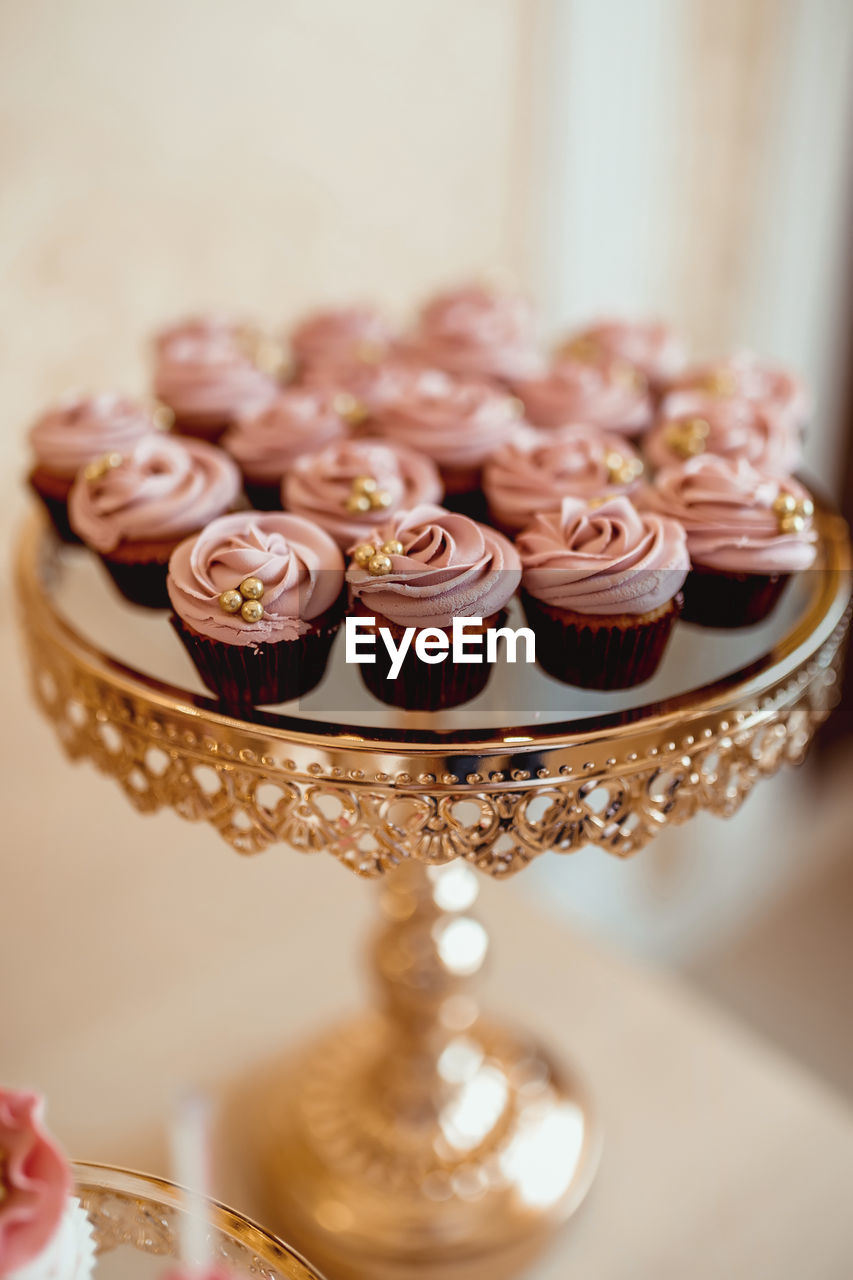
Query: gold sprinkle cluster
x=792, y=513
x=377, y=560
x=622, y=470
x=688, y=437
x=719, y=382
x=98, y=468
x=245, y=600
x=365, y=495
x=351, y=409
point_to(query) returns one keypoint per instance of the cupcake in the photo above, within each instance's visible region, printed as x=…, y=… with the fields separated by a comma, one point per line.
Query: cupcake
x=44, y=1231
x=266, y=445
x=538, y=469
x=73, y=433
x=352, y=486
x=361, y=384
x=257, y=599
x=476, y=332
x=649, y=345
x=134, y=508
x=211, y=371
x=600, y=587
x=422, y=569
x=456, y=422
x=608, y=392
x=731, y=427
x=340, y=334
x=745, y=377
x=747, y=532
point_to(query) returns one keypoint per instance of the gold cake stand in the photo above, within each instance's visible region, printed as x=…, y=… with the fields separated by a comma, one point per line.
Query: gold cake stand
x=424, y=1139
x=136, y=1225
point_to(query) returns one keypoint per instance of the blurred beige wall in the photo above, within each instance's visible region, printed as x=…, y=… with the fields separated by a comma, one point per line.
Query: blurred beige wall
x=269, y=154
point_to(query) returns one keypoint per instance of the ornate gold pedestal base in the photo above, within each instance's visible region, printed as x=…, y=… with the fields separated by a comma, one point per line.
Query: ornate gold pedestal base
x=425, y=1141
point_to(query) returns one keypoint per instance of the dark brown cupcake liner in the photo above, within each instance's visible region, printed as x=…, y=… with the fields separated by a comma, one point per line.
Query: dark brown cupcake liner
x=263, y=497
x=143, y=583
x=200, y=428
x=599, y=652
x=423, y=686
x=243, y=676
x=57, y=510
x=715, y=598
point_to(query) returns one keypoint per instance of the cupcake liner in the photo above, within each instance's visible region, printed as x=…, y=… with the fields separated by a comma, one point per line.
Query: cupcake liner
x=143, y=583
x=244, y=676
x=596, y=652
x=263, y=497
x=423, y=686
x=57, y=509
x=715, y=598
x=200, y=428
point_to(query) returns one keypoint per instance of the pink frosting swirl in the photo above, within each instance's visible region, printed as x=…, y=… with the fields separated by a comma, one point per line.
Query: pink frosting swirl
x=269, y=442
x=164, y=487
x=650, y=345
x=205, y=370
x=475, y=332
x=732, y=427
x=35, y=1181
x=744, y=376
x=603, y=560
x=450, y=567
x=340, y=333
x=534, y=472
x=727, y=509
x=607, y=392
x=300, y=566
x=81, y=428
x=370, y=383
x=457, y=422
x=319, y=485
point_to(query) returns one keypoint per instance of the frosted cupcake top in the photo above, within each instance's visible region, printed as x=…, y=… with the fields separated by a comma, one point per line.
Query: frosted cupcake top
x=35, y=1181
x=650, y=345
x=297, y=420
x=212, y=370
x=340, y=333
x=352, y=486
x=299, y=567
x=743, y=375
x=538, y=469
x=607, y=392
x=737, y=519
x=434, y=566
x=477, y=332
x=163, y=488
x=457, y=422
x=731, y=427
x=80, y=428
x=605, y=559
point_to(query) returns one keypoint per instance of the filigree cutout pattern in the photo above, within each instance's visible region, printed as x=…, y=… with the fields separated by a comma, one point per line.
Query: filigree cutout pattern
x=499, y=819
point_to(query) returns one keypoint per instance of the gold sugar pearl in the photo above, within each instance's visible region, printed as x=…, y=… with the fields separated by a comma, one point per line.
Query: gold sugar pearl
x=98, y=468
x=379, y=564
x=162, y=416
x=597, y=502
x=792, y=513
x=358, y=504
x=583, y=348
x=363, y=554
x=346, y=406
x=392, y=547
x=621, y=470
x=252, y=610
x=251, y=588
x=231, y=601
x=720, y=382
x=380, y=500
x=365, y=484
x=687, y=436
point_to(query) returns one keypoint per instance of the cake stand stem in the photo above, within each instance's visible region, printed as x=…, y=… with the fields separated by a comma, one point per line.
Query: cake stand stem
x=424, y=1140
